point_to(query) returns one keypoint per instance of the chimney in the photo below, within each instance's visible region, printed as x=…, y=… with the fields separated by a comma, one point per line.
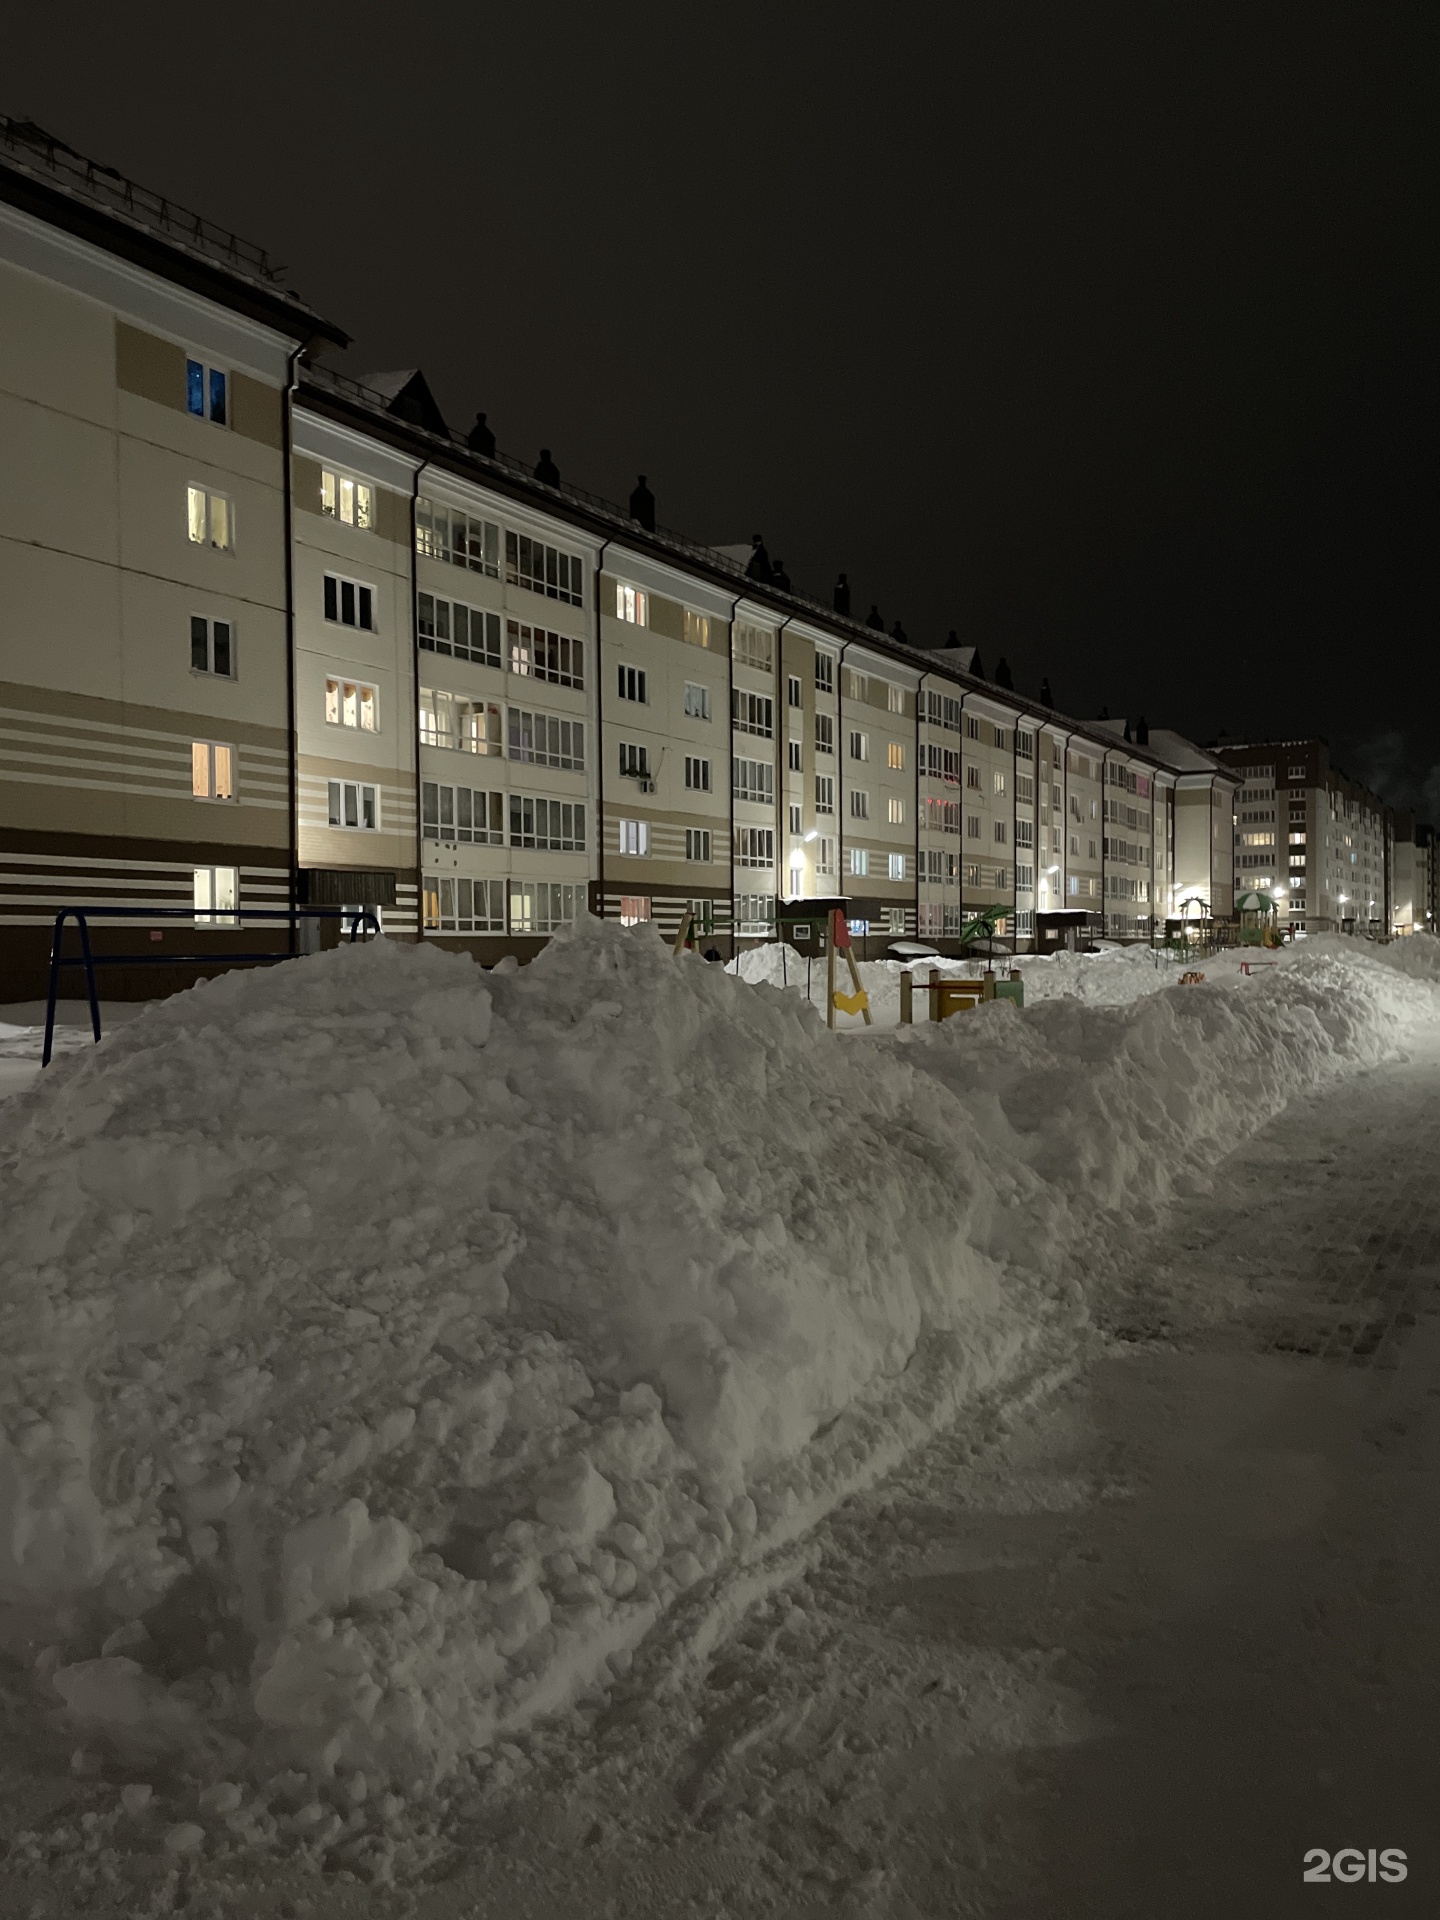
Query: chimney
x=546, y=471
x=642, y=506
x=1142, y=732
x=480, y=439
x=758, y=567
x=1126, y=734
x=897, y=632
x=1002, y=674
x=1104, y=713
x=842, y=595
x=874, y=620
x=778, y=575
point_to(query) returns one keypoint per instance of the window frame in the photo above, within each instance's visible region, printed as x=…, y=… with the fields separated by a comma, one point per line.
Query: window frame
x=211, y=671
x=209, y=374
x=212, y=796
x=360, y=788
x=341, y=684
x=363, y=591
x=209, y=495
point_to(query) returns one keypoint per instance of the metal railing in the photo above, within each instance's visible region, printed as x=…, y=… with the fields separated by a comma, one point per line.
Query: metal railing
x=218, y=919
x=44, y=154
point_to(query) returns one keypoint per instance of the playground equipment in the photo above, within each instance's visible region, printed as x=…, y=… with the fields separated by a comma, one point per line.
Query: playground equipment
x=948, y=995
x=1259, y=919
x=856, y=1002
x=89, y=959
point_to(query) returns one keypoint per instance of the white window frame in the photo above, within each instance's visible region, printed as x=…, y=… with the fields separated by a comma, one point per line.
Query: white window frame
x=631, y=605
x=207, y=499
x=697, y=773
x=343, y=695
x=210, y=670
x=216, y=896
x=698, y=844
x=697, y=700
x=360, y=788
x=633, y=838
x=220, y=764
x=207, y=395
x=346, y=499
x=632, y=684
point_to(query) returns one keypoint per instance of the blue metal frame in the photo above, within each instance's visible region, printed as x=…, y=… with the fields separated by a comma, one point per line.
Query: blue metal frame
x=88, y=959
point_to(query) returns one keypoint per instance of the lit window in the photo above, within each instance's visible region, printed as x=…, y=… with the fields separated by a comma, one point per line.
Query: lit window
x=697, y=628
x=634, y=838
x=895, y=697
x=349, y=703
x=896, y=866
x=999, y=783
x=212, y=647
x=896, y=812
x=209, y=519
x=346, y=499
x=697, y=701
x=859, y=861
x=216, y=895
x=634, y=909
x=212, y=771
x=895, y=754
x=630, y=605
x=206, y=392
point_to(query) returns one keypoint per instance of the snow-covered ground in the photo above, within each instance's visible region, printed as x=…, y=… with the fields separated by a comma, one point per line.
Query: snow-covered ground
x=393, y=1353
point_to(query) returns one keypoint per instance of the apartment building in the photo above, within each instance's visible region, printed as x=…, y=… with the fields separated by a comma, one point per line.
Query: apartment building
x=1317, y=840
x=274, y=636
x=144, y=366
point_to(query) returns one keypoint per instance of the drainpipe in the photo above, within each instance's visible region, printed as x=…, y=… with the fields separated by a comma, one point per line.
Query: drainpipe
x=840, y=816
x=730, y=770
x=1014, y=820
x=782, y=766
x=1104, y=840
x=964, y=696
x=919, y=703
x=415, y=730
x=292, y=725
x=599, y=743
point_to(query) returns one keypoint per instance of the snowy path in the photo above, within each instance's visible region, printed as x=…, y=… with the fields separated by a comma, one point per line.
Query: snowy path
x=1134, y=1657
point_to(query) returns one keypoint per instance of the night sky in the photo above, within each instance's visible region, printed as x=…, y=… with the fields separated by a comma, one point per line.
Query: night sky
x=1103, y=334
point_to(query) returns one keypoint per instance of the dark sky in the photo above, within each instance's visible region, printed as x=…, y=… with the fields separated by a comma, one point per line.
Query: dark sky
x=1105, y=334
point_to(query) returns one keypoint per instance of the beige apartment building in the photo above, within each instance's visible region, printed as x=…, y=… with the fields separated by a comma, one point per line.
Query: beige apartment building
x=271, y=636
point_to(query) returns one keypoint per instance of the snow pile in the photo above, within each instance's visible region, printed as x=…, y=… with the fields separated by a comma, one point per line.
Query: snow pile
x=386, y=1345
x=1117, y=1106
x=1114, y=976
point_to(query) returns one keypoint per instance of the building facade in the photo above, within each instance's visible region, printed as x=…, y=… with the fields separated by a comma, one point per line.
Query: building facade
x=1320, y=842
x=271, y=637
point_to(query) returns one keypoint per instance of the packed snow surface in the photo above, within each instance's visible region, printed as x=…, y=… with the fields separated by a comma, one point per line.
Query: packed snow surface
x=387, y=1346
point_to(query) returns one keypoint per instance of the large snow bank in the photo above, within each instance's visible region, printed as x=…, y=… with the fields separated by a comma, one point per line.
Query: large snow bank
x=385, y=1344
x=1115, y=1106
